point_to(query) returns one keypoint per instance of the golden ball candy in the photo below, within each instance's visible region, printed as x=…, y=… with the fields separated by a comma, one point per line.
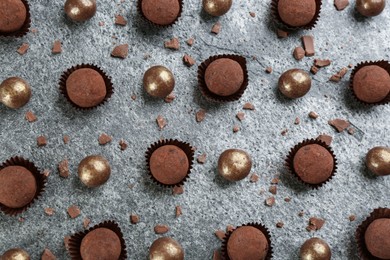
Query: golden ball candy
x=14, y=92
x=15, y=254
x=166, y=248
x=94, y=171
x=370, y=7
x=158, y=81
x=234, y=164
x=294, y=83
x=80, y=10
x=217, y=7
x=315, y=248
x=378, y=160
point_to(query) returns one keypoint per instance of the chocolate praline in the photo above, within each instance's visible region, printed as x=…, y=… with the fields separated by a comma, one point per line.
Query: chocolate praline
x=217, y=7
x=158, y=81
x=294, y=83
x=378, y=160
x=315, y=248
x=370, y=7
x=15, y=92
x=224, y=77
x=80, y=10
x=94, y=170
x=100, y=243
x=13, y=14
x=234, y=164
x=161, y=12
x=371, y=84
x=169, y=164
x=15, y=254
x=166, y=248
x=313, y=164
x=86, y=87
x=296, y=13
x=247, y=242
x=18, y=186
x=377, y=238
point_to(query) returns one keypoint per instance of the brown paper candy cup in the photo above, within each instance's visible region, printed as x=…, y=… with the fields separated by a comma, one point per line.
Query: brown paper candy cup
x=361, y=230
x=139, y=8
x=384, y=65
x=210, y=95
x=187, y=149
x=40, y=179
x=260, y=227
x=282, y=24
x=76, y=239
x=107, y=80
x=25, y=27
x=290, y=161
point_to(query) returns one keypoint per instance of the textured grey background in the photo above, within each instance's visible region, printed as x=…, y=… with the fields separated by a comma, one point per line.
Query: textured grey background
x=208, y=203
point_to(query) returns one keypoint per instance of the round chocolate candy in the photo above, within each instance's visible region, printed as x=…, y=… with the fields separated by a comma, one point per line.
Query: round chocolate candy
x=161, y=12
x=370, y=7
x=166, y=248
x=15, y=254
x=377, y=238
x=158, y=81
x=378, y=160
x=14, y=92
x=100, y=243
x=294, y=83
x=13, y=14
x=217, y=7
x=234, y=164
x=315, y=248
x=80, y=10
x=296, y=13
x=94, y=170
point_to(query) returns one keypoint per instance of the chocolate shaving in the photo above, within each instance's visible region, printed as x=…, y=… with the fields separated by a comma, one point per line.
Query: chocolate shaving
x=48, y=255
x=284, y=132
x=63, y=168
x=313, y=115
x=325, y=138
x=57, y=48
x=287, y=199
x=275, y=180
x=236, y=128
x=74, y=211
x=86, y=222
x=339, y=124
x=66, y=139
x=188, y=60
x=270, y=201
x=104, y=139
x=315, y=224
x=352, y=218
x=299, y=53
x=321, y=63
x=120, y=20
x=161, y=229
x=122, y=145
x=30, y=116
x=46, y=172
x=339, y=75
x=23, y=49
x=351, y=131
x=217, y=255
x=252, y=14
x=280, y=224
x=248, y=106
x=216, y=28
x=273, y=189
x=200, y=115
x=133, y=97
x=120, y=51
x=177, y=190
x=314, y=69
x=341, y=4
x=161, y=122
x=190, y=41
x=41, y=141
x=297, y=121
x=49, y=211
x=220, y=234
x=134, y=219
x=178, y=211
x=240, y=116
x=308, y=43
x=172, y=44
x=170, y=98
x=268, y=70
x=229, y=228
x=254, y=178
x=281, y=33
x=202, y=158
x=66, y=242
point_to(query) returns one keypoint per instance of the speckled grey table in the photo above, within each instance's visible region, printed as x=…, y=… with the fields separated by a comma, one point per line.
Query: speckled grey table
x=208, y=203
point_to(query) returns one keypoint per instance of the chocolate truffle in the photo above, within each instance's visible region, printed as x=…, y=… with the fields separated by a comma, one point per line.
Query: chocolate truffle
x=247, y=242
x=217, y=7
x=315, y=248
x=160, y=12
x=224, y=77
x=234, y=164
x=13, y=15
x=371, y=84
x=15, y=254
x=294, y=83
x=370, y=7
x=100, y=243
x=378, y=160
x=158, y=81
x=94, y=170
x=296, y=13
x=313, y=164
x=80, y=10
x=377, y=238
x=86, y=87
x=18, y=186
x=166, y=248
x=15, y=92
x=169, y=164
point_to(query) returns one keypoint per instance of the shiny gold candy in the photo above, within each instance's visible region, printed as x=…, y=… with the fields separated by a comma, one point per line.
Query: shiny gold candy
x=166, y=248
x=234, y=164
x=94, y=171
x=80, y=10
x=370, y=7
x=15, y=254
x=315, y=249
x=14, y=92
x=294, y=83
x=217, y=7
x=378, y=160
x=158, y=81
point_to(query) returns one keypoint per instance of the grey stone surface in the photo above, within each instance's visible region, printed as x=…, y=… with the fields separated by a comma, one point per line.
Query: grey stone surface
x=209, y=203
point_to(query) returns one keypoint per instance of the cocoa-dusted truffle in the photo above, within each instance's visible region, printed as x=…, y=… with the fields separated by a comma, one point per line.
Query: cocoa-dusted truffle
x=101, y=243
x=377, y=238
x=297, y=13
x=371, y=84
x=18, y=186
x=13, y=14
x=160, y=12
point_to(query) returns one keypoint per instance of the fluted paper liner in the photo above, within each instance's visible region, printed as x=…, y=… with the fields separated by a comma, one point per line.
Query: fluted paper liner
x=290, y=160
x=187, y=149
x=25, y=27
x=76, y=239
x=139, y=8
x=260, y=227
x=40, y=179
x=214, y=97
x=106, y=78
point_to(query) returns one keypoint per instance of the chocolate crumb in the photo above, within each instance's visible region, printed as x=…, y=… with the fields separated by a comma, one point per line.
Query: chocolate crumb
x=350, y=65
x=341, y=4
x=46, y=172
x=315, y=224
x=339, y=75
x=66, y=139
x=240, y=116
x=299, y=53
x=275, y=180
x=120, y=51
x=321, y=63
x=229, y=228
x=172, y=44
x=120, y=20
x=23, y=49
x=248, y=106
x=122, y=145
x=57, y=48
x=236, y=128
x=216, y=28
x=74, y=211
x=63, y=168
x=297, y=121
x=268, y=70
x=161, y=229
x=284, y=132
x=202, y=158
x=190, y=41
x=147, y=56
x=287, y=199
x=200, y=115
x=66, y=242
x=313, y=115
x=161, y=122
x=104, y=139
x=280, y=224
x=352, y=218
x=220, y=234
x=86, y=222
x=170, y=98
x=134, y=219
x=252, y=14
x=325, y=138
x=41, y=141
x=133, y=97
x=254, y=178
x=177, y=190
x=270, y=201
x=273, y=189
x=217, y=255
x=351, y=131
x=301, y=213
x=188, y=60
x=314, y=70
x=178, y=211
x=101, y=23
x=34, y=30
x=281, y=33
x=261, y=191
x=49, y=211
x=308, y=43
x=339, y=124
x=30, y=116
x=47, y=255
